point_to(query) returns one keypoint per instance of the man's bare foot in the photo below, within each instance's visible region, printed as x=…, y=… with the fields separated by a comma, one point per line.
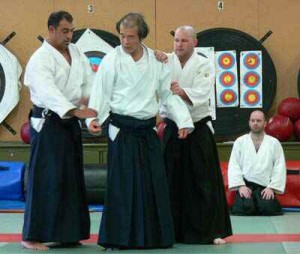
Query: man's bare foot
x=219, y=241
x=34, y=245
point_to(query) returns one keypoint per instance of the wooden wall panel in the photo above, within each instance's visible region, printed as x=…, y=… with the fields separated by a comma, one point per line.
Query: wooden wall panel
x=255, y=17
x=282, y=17
x=203, y=14
x=28, y=19
x=107, y=13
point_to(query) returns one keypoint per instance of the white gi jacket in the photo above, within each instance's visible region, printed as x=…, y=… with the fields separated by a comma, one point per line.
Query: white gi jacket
x=55, y=84
x=122, y=87
x=197, y=79
x=265, y=167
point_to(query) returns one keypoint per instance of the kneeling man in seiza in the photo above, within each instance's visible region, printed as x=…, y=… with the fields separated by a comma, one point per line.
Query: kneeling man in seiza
x=257, y=170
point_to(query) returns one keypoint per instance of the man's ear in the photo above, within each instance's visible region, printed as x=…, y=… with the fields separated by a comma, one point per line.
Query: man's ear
x=195, y=42
x=51, y=28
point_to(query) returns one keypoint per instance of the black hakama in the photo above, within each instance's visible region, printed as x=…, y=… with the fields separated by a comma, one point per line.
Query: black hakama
x=255, y=205
x=137, y=212
x=56, y=208
x=199, y=206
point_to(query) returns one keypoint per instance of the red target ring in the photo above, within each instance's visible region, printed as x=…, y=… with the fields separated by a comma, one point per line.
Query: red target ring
x=251, y=61
x=252, y=79
x=226, y=60
x=252, y=97
x=227, y=78
x=228, y=97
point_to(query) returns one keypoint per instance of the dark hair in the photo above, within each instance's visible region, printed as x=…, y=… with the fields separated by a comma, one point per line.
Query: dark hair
x=131, y=20
x=55, y=18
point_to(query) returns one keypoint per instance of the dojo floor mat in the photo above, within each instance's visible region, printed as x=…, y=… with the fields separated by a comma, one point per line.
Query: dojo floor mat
x=252, y=235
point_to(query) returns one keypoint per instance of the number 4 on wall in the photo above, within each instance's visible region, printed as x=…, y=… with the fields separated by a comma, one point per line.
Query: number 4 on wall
x=220, y=5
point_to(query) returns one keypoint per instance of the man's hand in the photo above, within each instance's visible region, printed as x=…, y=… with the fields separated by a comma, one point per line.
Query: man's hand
x=161, y=56
x=176, y=89
x=182, y=133
x=267, y=193
x=245, y=192
x=83, y=113
x=94, y=127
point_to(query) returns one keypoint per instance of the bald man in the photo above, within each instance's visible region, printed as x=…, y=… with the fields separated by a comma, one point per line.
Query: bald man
x=257, y=170
x=196, y=187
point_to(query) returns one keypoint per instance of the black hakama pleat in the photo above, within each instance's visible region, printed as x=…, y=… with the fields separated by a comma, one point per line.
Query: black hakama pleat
x=199, y=206
x=255, y=205
x=137, y=212
x=56, y=207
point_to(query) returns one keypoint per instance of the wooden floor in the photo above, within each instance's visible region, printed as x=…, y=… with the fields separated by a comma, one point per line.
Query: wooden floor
x=252, y=235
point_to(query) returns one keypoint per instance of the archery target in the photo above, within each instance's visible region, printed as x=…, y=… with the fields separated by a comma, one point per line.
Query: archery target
x=252, y=98
x=226, y=79
x=251, y=79
x=10, y=72
x=226, y=60
x=251, y=61
x=228, y=97
x=93, y=44
x=232, y=122
x=95, y=59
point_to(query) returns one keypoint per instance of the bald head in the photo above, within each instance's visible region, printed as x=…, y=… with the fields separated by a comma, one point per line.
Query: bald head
x=258, y=113
x=257, y=122
x=189, y=30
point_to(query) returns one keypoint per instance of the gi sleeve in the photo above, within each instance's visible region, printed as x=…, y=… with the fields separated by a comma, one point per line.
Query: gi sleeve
x=235, y=173
x=278, y=177
x=173, y=103
x=202, y=87
x=101, y=92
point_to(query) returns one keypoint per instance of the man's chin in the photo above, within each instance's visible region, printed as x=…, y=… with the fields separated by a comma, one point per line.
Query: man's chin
x=257, y=131
x=126, y=50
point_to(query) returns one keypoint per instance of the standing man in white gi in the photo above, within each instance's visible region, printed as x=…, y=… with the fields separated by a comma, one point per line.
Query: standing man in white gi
x=257, y=170
x=57, y=76
x=137, y=211
x=197, y=194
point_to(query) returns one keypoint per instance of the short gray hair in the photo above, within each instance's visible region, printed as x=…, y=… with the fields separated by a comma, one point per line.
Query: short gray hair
x=189, y=29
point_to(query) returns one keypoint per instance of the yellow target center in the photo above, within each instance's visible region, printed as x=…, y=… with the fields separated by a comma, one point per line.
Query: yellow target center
x=227, y=79
x=252, y=97
x=251, y=79
x=228, y=97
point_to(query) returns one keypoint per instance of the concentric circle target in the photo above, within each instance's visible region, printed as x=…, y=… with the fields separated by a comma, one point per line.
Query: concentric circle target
x=232, y=122
x=228, y=97
x=2, y=82
x=252, y=97
x=251, y=61
x=95, y=57
x=226, y=60
x=252, y=79
x=227, y=78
